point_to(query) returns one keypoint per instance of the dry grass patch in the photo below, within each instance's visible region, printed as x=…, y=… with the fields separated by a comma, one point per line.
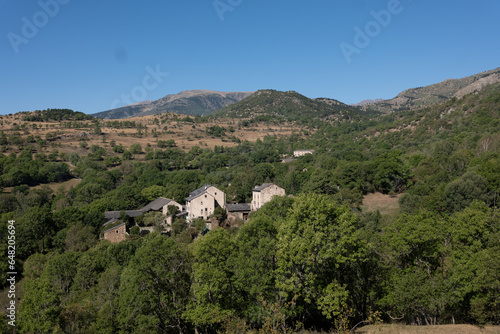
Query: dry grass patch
x=387, y=205
x=66, y=185
x=442, y=329
x=185, y=134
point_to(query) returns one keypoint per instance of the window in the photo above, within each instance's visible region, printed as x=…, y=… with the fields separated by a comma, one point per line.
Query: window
x=205, y=196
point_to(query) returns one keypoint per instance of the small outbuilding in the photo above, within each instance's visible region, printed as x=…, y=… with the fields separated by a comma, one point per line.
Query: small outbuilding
x=116, y=234
x=238, y=211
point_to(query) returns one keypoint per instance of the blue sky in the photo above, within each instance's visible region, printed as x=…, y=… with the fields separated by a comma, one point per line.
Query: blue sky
x=91, y=55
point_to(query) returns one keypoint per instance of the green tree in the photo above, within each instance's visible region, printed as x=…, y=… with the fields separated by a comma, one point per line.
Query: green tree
x=475, y=264
x=255, y=264
x=153, y=192
x=135, y=149
x=84, y=144
x=35, y=231
x=215, y=295
x=461, y=192
x=317, y=251
x=417, y=281
x=155, y=287
x=41, y=304
x=40, y=308
x=80, y=237
x=126, y=155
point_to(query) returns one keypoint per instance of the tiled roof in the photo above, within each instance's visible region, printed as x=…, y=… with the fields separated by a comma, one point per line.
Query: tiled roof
x=111, y=221
x=238, y=207
x=116, y=214
x=113, y=228
x=196, y=193
x=262, y=187
x=156, y=205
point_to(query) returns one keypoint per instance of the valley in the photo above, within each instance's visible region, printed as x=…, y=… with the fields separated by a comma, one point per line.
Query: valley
x=389, y=219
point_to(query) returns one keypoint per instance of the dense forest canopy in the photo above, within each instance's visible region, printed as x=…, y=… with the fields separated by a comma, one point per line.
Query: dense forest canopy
x=313, y=261
x=56, y=115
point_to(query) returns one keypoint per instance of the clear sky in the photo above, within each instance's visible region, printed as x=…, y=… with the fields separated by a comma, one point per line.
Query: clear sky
x=90, y=55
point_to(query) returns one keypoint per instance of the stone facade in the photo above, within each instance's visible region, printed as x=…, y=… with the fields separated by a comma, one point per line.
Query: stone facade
x=238, y=212
x=116, y=234
x=264, y=193
x=174, y=203
x=202, y=202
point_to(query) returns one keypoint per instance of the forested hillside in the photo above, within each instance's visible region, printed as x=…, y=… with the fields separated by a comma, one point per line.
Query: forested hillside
x=275, y=105
x=311, y=261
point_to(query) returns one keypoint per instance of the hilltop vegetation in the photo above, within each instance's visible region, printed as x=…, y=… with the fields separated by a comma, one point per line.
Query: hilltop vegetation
x=56, y=115
x=313, y=261
x=271, y=104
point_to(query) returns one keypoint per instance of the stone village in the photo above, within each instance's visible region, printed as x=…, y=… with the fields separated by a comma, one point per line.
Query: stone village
x=201, y=203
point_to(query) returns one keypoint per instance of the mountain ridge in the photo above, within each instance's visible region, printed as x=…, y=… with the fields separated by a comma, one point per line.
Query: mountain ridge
x=420, y=97
x=206, y=102
x=189, y=102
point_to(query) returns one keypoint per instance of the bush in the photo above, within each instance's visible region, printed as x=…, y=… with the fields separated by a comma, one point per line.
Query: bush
x=135, y=149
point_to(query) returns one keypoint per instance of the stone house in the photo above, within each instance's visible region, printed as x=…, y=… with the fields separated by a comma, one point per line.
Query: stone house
x=116, y=234
x=202, y=202
x=264, y=193
x=161, y=204
x=237, y=212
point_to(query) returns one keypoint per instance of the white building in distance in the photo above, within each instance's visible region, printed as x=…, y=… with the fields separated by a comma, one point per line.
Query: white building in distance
x=301, y=153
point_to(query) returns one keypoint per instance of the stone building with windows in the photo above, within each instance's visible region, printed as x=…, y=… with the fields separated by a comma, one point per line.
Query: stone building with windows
x=264, y=193
x=116, y=234
x=202, y=202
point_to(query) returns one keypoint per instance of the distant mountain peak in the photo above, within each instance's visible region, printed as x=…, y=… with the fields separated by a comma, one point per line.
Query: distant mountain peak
x=365, y=102
x=189, y=102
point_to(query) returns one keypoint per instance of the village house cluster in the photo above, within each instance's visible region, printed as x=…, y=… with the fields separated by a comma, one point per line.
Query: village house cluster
x=201, y=203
